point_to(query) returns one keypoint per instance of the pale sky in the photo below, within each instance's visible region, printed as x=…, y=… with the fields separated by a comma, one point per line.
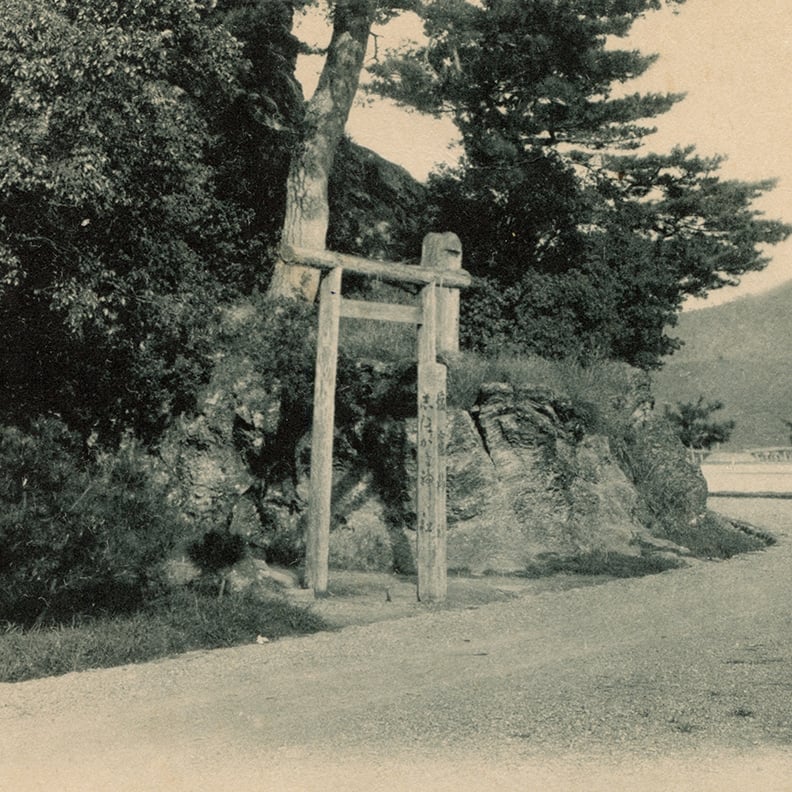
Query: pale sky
x=733, y=59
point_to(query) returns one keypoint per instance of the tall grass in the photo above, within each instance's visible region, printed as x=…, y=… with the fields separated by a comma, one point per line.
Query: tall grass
x=185, y=620
x=598, y=382
x=713, y=536
x=389, y=342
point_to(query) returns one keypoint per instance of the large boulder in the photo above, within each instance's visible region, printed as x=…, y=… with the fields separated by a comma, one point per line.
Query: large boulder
x=527, y=485
x=528, y=480
x=484, y=532
x=375, y=206
x=361, y=537
x=530, y=484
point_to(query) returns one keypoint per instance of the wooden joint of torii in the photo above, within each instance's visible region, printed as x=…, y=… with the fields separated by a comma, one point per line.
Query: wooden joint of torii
x=437, y=317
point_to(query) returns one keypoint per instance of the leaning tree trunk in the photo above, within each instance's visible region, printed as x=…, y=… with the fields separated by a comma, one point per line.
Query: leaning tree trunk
x=307, y=210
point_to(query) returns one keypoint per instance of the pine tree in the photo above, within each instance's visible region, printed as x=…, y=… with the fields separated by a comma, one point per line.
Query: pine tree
x=582, y=244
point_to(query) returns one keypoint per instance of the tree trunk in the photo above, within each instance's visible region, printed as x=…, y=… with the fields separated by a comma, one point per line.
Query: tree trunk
x=307, y=210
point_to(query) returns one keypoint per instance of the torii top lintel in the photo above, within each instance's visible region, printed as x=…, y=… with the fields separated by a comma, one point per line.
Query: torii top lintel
x=383, y=270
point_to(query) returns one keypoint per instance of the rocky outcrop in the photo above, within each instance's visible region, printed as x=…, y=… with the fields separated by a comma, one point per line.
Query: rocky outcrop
x=208, y=455
x=375, y=206
x=485, y=530
x=526, y=485
x=528, y=481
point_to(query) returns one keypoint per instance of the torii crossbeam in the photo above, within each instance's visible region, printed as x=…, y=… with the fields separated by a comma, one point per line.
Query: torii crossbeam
x=437, y=318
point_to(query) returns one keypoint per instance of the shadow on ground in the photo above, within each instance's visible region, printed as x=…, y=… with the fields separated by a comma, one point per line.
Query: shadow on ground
x=356, y=598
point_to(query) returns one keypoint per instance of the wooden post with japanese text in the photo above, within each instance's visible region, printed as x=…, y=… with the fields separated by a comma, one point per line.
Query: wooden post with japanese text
x=437, y=318
x=430, y=497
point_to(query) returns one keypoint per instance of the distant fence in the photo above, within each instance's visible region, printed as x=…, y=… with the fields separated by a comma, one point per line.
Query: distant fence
x=780, y=454
x=760, y=472
x=700, y=456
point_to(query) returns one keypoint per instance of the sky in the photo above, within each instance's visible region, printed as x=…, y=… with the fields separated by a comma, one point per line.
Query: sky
x=732, y=59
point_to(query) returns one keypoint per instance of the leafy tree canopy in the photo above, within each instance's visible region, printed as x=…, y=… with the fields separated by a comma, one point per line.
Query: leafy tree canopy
x=109, y=223
x=581, y=243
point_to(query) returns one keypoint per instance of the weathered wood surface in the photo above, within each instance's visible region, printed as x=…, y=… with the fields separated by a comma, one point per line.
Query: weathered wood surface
x=384, y=270
x=431, y=483
x=383, y=312
x=317, y=540
x=437, y=318
x=444, y=252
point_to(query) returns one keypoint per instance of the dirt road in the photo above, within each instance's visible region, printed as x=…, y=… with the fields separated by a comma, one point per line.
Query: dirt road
x=678, y=681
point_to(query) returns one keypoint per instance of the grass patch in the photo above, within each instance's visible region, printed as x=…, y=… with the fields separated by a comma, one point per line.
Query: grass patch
x=184, y=621
x=598, y=389
x=389, y=342
x=713, y=536
x=599, y=562
x=582, y=384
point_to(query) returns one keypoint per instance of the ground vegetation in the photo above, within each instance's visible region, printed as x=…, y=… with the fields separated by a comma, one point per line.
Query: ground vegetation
x=154, y=155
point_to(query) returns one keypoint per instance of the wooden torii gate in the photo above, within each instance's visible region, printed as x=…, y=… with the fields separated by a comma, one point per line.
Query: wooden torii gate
x=437, y=318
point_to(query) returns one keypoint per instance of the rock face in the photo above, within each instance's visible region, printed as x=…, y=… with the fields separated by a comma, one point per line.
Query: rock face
x=528, y=482
x=485, y=530
x=381, y=202
x=208, y=454
x=525, y=484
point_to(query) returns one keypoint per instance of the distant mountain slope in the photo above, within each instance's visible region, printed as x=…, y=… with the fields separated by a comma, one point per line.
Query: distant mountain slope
x=739, y=353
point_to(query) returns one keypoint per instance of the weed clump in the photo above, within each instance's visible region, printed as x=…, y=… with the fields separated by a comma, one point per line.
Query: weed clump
x=599, y=562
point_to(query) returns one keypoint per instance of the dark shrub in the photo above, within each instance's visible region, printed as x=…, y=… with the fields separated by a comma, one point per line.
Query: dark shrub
x=216, y=552
x=77, y=534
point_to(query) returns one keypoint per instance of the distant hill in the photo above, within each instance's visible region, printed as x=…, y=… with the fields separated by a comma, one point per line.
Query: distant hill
x=740, y=354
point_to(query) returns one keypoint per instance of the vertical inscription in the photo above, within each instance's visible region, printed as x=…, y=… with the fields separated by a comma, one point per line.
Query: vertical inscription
x=431, y=489
x=427, y=466
x=431, y=495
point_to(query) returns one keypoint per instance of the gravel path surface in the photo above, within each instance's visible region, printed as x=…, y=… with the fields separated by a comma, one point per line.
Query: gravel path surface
x=678, y=681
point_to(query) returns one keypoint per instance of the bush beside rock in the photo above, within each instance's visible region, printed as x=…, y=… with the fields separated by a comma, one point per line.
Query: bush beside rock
x=533, y=474
x=80, y=533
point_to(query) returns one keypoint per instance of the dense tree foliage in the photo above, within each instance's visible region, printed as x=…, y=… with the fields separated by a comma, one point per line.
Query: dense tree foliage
x=581, y=243
x=145, y=150
x=253, y=134
x=695, y=425
x=110, y=229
